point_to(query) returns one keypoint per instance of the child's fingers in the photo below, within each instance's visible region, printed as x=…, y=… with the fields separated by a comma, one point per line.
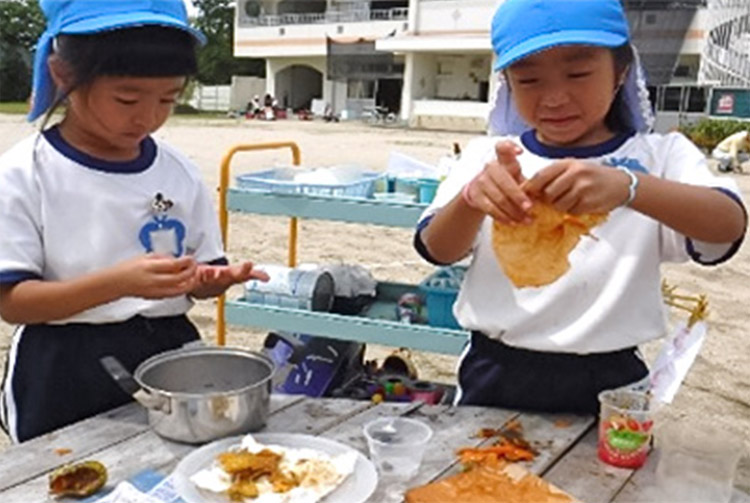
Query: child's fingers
x=506, y=204
x=506, y=152
x=537, y=185
x=259, y=275
x=506, y=191
x=170, y=265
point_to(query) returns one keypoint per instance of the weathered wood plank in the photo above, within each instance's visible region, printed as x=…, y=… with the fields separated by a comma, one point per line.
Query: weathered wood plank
x=280, y=402
x=640, y=486
x=124, y=460
x=552, y=435
x=350, y=431
x=452, y=427
x=30, y=459
x=582, y=475
x=313, y=416
x=117, y=439
x=37, y=456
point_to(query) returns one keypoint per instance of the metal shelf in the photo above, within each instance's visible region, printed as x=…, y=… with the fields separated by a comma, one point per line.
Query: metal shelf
x=342, y=209
x=377, y=324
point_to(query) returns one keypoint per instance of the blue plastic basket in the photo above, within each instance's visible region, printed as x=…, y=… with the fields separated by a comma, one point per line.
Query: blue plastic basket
x=440, y=290
x=281, y=180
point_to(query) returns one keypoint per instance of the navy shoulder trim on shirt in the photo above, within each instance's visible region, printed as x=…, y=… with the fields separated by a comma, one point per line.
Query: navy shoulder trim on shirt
x=419, y=244
x=141, y=163
x=696, y=255
x=533, y=145
x=13, y=277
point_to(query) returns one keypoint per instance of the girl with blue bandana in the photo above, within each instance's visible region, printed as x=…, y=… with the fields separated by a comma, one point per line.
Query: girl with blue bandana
x=570, y=127
x=106, y=233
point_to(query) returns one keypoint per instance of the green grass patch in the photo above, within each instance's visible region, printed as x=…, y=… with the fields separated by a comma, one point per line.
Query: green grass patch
x=14, y=107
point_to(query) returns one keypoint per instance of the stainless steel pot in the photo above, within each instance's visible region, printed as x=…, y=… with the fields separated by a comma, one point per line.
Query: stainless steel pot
x=200, y=394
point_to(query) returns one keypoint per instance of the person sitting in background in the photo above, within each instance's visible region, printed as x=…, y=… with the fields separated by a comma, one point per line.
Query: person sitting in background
x=732, y=151
x=269, y=107
x=253, y=107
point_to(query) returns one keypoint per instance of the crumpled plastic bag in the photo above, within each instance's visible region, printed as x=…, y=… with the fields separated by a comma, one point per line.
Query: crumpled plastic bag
x=675, y=358
x=351, y=280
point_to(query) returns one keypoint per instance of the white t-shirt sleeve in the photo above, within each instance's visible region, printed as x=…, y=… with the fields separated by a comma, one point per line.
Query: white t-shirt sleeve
x=205, y=243
x=685, y=163
x=21, y=248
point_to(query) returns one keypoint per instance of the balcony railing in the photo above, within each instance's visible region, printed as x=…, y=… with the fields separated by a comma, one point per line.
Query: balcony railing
x=725, y=58
x=331, y=17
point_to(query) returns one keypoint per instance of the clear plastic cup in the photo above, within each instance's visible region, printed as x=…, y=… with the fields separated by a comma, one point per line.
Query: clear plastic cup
x=397, y=445
x=696, y=465
x=625, y=427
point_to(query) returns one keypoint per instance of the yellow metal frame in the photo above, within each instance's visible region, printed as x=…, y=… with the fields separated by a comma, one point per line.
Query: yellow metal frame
x=224, y=215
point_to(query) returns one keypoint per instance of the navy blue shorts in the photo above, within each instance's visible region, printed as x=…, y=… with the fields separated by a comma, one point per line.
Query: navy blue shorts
x=492, y=373
x=53, y=376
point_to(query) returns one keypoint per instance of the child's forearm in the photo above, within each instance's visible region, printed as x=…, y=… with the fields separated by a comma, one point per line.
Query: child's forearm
x=207, y=291
x=451, y=232
x=37, y=301
x=700, y=213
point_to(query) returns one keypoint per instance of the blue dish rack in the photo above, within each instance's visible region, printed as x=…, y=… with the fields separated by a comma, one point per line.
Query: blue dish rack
x=282, y=181
x=440, y=290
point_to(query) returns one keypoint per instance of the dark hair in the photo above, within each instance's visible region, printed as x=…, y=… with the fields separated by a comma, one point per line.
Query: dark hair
x=141, y=51
x=617, y=117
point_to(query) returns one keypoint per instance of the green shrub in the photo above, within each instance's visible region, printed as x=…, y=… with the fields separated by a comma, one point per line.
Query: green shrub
x=707, y=133
x=184, y=108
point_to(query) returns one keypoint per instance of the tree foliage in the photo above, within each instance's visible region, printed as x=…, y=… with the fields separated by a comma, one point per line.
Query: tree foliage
x=216, y=61
x=21, y=23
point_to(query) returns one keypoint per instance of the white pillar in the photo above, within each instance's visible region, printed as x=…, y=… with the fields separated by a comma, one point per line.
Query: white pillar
x=270, y=76
x=413, y=16
x=407, y=90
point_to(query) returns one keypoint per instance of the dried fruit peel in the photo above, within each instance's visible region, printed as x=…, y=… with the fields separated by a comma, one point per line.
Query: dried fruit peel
x=536, y=255
x=78, y=480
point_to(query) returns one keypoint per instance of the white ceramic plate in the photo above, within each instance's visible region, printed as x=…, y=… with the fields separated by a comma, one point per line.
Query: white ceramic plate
x=356, y=488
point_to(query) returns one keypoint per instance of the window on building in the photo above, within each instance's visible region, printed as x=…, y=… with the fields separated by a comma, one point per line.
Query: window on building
x=672, y=97
x=697, y=99
x=252, y=8
x=682, y=71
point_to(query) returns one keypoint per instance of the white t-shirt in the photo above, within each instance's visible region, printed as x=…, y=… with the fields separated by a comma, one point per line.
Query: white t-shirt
x=64, y=214
x=611, y=296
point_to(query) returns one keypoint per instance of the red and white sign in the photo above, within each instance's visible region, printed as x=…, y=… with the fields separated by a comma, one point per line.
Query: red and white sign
x=725, y=105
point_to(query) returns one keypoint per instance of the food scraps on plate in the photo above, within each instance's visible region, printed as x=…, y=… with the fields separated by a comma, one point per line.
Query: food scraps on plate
x=260, y=473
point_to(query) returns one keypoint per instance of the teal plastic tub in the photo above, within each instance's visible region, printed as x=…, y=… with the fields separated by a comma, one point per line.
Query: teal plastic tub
x=440, y=290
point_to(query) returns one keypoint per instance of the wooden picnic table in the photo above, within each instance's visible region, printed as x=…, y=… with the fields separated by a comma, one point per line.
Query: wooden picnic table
x=122, y=440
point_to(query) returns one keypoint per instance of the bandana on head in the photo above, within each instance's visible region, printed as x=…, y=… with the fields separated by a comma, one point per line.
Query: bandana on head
x=90, y=16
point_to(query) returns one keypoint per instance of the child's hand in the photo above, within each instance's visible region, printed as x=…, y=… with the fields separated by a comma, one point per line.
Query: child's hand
x=497, y=189
x=156, y=276
x=214, y=280
x=579, y=187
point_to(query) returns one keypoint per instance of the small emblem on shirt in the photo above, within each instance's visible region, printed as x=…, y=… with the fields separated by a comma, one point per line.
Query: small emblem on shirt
x=162, y=234
x=628, y=162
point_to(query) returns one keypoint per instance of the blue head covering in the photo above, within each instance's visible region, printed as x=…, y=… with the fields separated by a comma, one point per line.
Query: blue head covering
x=76, y=17
x=521, y=28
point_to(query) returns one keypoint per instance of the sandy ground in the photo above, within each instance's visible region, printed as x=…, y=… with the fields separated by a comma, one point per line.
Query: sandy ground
x=716, y=391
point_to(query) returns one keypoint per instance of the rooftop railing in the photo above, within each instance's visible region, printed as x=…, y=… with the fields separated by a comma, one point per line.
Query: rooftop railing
x=330, y=17
x=725, y=58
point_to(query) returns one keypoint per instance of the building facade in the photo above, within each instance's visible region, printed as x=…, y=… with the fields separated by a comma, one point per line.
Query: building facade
x=430, y=61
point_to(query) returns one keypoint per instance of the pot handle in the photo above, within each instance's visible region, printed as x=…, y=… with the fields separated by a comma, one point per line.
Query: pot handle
x=129, y=385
